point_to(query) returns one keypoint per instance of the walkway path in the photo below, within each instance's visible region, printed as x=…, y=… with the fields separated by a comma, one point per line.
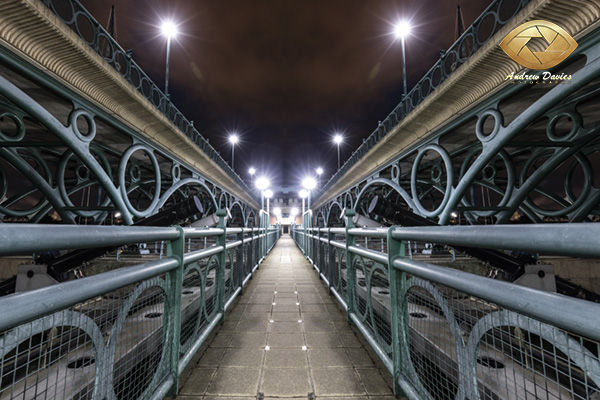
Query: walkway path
x=285, y=338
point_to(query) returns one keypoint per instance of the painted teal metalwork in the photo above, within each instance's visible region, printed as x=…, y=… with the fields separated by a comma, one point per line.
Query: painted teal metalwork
x=117, y=321
x=457, y=335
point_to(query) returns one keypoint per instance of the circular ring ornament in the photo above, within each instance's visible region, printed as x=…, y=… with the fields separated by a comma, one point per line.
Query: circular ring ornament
x=498, y=122
x=122, y=187
x=396, y=172
x=551, y=127
x=449, y=179
x=74, y=116
x=20, y=125
x=175, y=173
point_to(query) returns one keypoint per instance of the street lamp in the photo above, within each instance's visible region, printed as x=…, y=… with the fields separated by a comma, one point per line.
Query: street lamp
x=233, y=139
x=268, y=194
x=309, y=183
x=277, y=212
x=401, y=31
x=319, y=173
x=262, y=184
x=293, y=214
x=251, y=171
x=338, y=139
x=303, y=194
x=168, y=29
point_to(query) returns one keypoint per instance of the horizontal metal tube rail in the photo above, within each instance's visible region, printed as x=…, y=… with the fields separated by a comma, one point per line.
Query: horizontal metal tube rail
x=200, y=254
x=564, y=312
x=29, y=238
x=377, y=233
x=28, y=306
x=373, y=255
x=192, y=233
x=236, y=243
x=558, y=239
x=570, y=314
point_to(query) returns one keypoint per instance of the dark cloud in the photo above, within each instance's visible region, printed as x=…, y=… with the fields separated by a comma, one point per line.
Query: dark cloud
x=285, y=74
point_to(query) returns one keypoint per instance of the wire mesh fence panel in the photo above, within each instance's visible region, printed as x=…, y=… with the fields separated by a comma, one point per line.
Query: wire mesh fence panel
x=198, y=300
x=459, y=344
x=231, y=272
x=372, y=300
x=139, y=339
x=109, y=343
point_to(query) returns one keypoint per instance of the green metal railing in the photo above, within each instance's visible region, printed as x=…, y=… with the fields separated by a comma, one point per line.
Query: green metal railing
x=126, y=333
x=448, y=334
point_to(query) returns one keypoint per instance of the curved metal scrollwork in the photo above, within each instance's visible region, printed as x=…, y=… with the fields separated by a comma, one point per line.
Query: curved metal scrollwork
x=76, y=174
x=519, y=157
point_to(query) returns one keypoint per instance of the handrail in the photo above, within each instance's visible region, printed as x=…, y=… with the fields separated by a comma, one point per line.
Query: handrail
x=575, y=239
x=173, y=295
x=483, y=320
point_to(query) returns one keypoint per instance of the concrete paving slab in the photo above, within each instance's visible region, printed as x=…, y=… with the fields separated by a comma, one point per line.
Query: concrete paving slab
x=234, y=382
x=373, y=381
x=328, y=357
x=243, y=357
x=198, y=381
x=285, y=382
x=285, y=358
x=336, y=382
x=290, y=340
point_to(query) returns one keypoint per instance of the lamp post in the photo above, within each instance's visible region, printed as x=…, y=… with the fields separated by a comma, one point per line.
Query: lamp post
x=309, y=184
x=169, y=29
x=293, y=214
x=268, y=195
x=262, y=184
x=303, y=194
x=338, y=139
x=319, y=171
x=401, y=31
x=251, y=171
x=233, y=139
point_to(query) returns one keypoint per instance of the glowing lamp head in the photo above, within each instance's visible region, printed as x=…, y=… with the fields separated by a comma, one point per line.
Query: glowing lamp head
x=169, y=29
x=294, y=212
x=402, y=29
x=337, y=139
x=234, y=139
x=262, y=183
x=309, y=183
x=303, y=193
x=252, y=171
x=319, y=171
x=277, y=211
x=268, y=193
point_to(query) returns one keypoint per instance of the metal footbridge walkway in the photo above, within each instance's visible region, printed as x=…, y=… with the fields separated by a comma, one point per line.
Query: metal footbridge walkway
x=453, y=256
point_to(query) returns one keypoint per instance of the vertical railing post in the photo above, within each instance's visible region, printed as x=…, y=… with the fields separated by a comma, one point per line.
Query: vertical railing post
x=350, y=268
x=398, y=307
x=176, y=249
x=240, y=262
x=331, y=258
x=220, y=273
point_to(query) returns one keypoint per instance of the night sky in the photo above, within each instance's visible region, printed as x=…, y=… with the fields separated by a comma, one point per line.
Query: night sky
x=285, y=75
